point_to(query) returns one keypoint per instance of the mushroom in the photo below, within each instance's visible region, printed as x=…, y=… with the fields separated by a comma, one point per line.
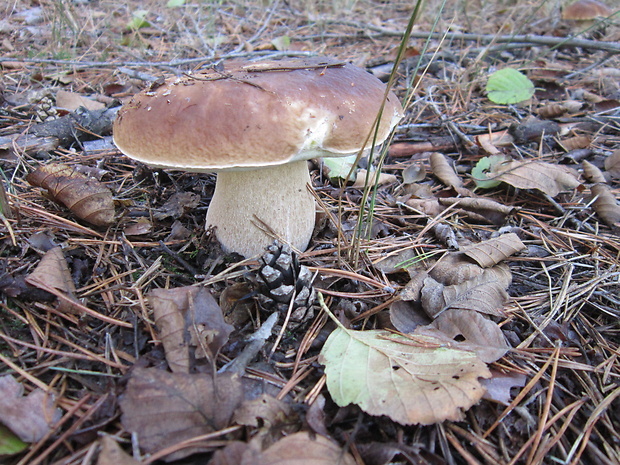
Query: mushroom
x=584, y=13
x=256, y=125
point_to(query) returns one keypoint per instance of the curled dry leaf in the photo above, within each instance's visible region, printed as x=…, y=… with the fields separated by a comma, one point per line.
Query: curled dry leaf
x=552, y=110
x=479, y=204
x=409, y=381
x=493, y=251
x=188, y=317
x=481, y=335
x=413, y=288
x=612, y=164
x=446, y=235
x=190, y=405
x=30, y=417
x=592, y=173
x=442, y=168
x=87, y=198
x=605, y=204
x=546, y=177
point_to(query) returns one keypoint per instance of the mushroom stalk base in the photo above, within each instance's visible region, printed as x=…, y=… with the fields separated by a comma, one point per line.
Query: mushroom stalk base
x=275, y=195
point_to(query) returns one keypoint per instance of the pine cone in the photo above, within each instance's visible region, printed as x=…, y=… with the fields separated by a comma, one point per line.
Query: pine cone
x=281, y=277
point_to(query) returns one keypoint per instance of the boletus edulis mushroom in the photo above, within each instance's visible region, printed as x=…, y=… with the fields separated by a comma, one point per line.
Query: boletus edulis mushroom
x=256, y=124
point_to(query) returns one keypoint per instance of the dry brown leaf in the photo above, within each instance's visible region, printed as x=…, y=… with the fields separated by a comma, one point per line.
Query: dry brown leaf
x=605, y=204
x=72, y=101
x=490, y=142
x=265, y=411
x=415, y=172
x=612, y=164
x=112, y=454
x=296, y=449
x=498, y=386
x=575, y=143
x=188, y=317
x=53, y=272
x=30, y=417
x=382, y=179
x=546, y=177
x=500, y=273
x=87, y=198
x=484, y=293
x=430, y=207
x=236, y=304
x=165, y=408
x=177, y=205
x=303, y=449
x=236, y=453
x=442, y=168
x=592, y=173
x=481, y=335
x=407, y=315
x=139, y=227
x=454, y=268
x=418, y=191
x=493, y=251
x=398, y=261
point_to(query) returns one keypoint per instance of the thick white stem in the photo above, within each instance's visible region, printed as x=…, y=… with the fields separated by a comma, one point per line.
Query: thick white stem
x=276, y=195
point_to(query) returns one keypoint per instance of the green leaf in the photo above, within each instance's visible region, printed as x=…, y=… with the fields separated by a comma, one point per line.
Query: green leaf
x=175, y=3
x=509, y=86
x=138, y=20
x=412, y=381
x=281, y=43
x=483, y=167
x=9, y=443
x=338, y=168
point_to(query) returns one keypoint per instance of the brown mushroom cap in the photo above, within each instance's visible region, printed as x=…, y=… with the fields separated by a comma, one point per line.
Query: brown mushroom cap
x=586, y=10
x=254, y=115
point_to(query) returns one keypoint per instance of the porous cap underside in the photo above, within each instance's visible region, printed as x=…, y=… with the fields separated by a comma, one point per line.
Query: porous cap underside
x=255, y=114
x=583, y=10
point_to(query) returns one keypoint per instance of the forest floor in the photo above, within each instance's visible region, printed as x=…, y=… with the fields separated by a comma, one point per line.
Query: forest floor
x=99, y=360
